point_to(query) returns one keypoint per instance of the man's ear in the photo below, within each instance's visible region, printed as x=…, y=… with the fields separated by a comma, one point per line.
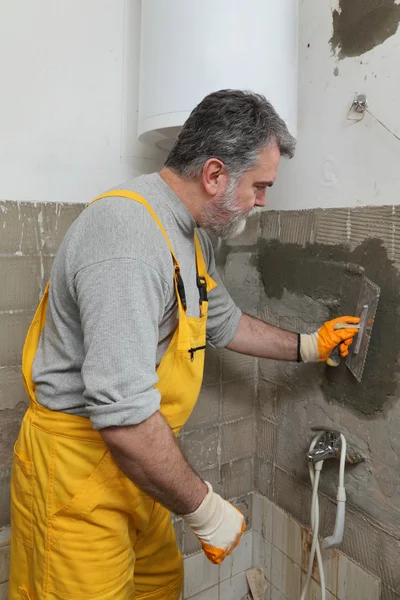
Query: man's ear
x=214, y=177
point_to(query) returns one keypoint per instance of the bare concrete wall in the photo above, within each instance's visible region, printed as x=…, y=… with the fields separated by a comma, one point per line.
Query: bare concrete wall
x=29, y=237
x=296, y=277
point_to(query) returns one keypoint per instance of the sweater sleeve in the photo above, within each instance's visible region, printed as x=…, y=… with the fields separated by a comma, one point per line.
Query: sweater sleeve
x=121, y=302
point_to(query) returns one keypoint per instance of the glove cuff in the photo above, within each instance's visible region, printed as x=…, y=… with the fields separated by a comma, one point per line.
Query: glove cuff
x=209, y=512
x=309, y=347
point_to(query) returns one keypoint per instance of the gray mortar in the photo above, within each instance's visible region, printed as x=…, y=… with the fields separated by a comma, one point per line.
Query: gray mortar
x=321, y=272
x=360, y=25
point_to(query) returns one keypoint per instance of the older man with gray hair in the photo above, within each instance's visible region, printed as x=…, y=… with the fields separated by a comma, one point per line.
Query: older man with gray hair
x=113, y=365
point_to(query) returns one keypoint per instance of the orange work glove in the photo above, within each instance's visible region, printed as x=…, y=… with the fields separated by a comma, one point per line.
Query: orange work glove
x=218, y=525
x=318, y=346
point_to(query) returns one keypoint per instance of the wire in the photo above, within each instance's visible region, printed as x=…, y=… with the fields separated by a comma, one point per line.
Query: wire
x=361, y=109
x=383, y=124
x=315, y=471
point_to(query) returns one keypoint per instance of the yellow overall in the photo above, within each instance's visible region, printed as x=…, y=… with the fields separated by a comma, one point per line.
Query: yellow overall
x=81, y=530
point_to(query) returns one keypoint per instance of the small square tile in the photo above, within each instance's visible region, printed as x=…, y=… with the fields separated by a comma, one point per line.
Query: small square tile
x=240, y=560
x=237, y=440
x=3, y=591
x=262, y=554
x=200, y=574
x=266, y=439
x=13, y=329
x=286, y=535
x=264, y=477
x=244, y=505
x=285, y=575
x=266, y=398
x=354, y=583
x=191, y=544
x=250, y=234
x=178, y=526
x=210, y=594
x=234, y=588
x=387, y=593
x=5, y=516
x=237, y=478
x=212, y=366
x=5, y=536
x=20, y=278
x=238, y=400
x=330, y=559
x=276, y=594
x=262, y=516
x=306, y=542
x=314, y=590
x=201, y=448
x=237, y=366
x=206, y=411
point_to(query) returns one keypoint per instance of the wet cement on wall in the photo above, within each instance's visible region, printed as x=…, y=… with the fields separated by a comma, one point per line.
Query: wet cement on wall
x=320, y=272
x=360, y=25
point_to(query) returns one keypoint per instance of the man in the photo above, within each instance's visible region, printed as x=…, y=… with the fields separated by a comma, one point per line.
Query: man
x=113, y=365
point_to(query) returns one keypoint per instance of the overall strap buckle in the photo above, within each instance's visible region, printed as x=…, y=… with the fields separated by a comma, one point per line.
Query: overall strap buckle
x=181, y=287
x=202, y=287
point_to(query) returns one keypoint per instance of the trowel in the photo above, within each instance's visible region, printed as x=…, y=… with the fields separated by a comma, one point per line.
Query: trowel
x=366, y=310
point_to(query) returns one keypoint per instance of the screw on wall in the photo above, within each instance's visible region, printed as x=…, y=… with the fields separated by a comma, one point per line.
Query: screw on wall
x=359, y=106
x=358, y=109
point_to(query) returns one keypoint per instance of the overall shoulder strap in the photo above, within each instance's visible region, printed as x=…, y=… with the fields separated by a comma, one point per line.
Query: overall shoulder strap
x=201, y=266
x=137, y=198
x=179, y=287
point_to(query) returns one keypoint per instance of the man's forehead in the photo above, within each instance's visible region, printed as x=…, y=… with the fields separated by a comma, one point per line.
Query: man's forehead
x=268, y=158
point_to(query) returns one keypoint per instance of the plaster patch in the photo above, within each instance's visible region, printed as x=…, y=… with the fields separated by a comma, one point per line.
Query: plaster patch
x=321, y=272
x=360, y=25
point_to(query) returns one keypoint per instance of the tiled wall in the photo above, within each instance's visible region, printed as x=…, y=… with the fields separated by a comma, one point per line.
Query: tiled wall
x=281, y=546
x=205, y=581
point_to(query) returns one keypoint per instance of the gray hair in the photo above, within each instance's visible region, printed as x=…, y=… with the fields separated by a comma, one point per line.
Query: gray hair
x=233, y=126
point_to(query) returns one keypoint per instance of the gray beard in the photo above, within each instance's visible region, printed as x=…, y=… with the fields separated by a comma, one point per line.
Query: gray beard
x=224, y=220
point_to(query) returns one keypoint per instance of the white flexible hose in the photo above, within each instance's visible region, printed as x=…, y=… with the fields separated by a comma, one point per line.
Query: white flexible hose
x=342, y=467
x=337, y=537
x=315, y=471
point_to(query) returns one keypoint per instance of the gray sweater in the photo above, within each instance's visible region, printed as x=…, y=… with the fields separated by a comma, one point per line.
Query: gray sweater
x=112, y=306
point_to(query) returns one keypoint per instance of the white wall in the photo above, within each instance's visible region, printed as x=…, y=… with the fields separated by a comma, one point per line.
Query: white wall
x=338, y=163
x=68, y=108
x=69, y=73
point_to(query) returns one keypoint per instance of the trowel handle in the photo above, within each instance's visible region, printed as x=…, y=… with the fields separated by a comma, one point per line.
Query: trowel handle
x=334, y=359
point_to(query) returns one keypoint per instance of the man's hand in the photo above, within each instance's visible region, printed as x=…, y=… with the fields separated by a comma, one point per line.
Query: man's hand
x=318, y=346
x=218, y=525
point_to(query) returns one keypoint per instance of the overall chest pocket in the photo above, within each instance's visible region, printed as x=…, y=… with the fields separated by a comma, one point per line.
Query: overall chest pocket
x=22, y=497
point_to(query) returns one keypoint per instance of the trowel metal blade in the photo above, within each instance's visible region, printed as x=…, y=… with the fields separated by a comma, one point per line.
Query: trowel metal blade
x=366, y=310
